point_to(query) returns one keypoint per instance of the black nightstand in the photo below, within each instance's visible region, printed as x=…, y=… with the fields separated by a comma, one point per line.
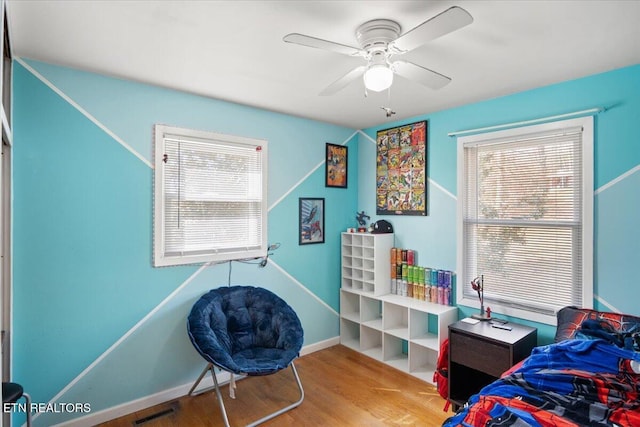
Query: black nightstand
x=480, y=353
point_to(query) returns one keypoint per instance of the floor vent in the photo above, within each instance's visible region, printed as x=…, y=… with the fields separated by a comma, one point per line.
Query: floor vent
x=155, y=416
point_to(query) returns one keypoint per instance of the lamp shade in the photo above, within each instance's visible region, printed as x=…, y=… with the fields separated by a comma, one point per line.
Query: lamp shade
x=378, y=77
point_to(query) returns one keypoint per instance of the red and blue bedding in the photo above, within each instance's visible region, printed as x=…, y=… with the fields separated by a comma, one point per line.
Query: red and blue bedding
x=591, y=380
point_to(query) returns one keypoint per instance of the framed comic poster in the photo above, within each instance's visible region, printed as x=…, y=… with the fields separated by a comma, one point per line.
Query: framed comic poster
x=311, y=220
x=336, y=166
x=401, y=170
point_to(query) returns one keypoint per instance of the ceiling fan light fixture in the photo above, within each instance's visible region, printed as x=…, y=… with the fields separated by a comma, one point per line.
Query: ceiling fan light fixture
x=378, y=77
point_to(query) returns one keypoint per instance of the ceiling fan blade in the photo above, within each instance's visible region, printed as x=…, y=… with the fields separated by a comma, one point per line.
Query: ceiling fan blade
x=344, y=81
x=450, y=20
x=419, y=74
x=309, y=41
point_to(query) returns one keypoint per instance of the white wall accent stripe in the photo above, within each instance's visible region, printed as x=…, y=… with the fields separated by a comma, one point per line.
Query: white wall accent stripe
x=170, y=394
x=599, y=190
x=303, y=179
x=441, y=188
x=617, y=180
x=321, y=345
x=367, y=136
x=83, y=111
x=304, y=288
x=94, y=120
x=144, y=402
x=126, y=335
x=606, y=304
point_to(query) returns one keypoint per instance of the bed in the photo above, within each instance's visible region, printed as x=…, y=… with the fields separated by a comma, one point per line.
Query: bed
x=589, y=376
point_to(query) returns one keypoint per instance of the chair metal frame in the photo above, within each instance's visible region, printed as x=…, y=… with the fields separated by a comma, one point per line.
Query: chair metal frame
x=27, y=399
x=211, y=366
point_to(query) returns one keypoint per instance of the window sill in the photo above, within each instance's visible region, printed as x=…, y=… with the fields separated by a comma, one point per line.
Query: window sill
x=505, y=310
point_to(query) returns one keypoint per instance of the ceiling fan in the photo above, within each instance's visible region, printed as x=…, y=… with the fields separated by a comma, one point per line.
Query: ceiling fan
x=379, y=41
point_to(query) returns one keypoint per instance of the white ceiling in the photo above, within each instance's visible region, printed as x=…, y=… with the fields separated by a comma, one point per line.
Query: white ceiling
x=233, y=50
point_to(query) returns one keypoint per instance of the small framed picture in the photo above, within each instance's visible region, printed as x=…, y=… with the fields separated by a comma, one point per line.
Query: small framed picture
x=336, y=166
x=311, y=220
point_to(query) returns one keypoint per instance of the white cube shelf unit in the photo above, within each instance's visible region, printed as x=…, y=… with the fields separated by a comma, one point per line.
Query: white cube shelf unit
x=400, y=331
x=365, y=262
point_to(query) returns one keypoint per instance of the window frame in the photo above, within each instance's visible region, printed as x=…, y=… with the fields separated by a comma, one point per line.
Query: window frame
x=587, y=147
x=160, y=258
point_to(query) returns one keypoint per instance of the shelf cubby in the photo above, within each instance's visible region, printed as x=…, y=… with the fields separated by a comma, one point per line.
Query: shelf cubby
x=394, y=353
x=396, y=320
x=350, y=334
x=371, y=342
x=350, y=306
x=423, y=361
x=424, y=329
x=371, y=312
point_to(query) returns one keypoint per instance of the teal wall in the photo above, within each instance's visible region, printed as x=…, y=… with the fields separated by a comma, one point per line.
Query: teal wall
x=93, y=320
x=616, y=176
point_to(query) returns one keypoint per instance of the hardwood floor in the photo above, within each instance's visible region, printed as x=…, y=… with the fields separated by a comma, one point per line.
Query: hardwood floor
x=342, y=388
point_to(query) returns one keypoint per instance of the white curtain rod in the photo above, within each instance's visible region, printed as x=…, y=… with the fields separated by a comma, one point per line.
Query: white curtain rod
x=591, y=111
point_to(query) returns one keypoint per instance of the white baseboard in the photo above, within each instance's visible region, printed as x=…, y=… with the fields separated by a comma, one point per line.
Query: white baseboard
x=142, y=403
x=171, y=394
x=311, y=348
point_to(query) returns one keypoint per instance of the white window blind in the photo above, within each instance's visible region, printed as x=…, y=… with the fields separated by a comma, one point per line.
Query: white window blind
x=526, y=218
x=210, y=197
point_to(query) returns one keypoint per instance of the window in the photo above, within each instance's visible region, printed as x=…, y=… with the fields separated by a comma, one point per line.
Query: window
x=525, y=218
x=210, y=197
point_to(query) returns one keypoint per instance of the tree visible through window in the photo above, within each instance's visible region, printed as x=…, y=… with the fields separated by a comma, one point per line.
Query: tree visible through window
x=526, y=218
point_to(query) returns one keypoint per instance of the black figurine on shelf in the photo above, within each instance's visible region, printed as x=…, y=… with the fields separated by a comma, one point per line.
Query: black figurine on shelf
x=361, y=217
x=478, y=285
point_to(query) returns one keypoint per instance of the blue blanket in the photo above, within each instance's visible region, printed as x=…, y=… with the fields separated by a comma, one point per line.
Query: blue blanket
x=581, y=382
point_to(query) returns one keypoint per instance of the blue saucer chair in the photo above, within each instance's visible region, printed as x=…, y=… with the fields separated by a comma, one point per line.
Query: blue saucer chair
x=245, y=330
